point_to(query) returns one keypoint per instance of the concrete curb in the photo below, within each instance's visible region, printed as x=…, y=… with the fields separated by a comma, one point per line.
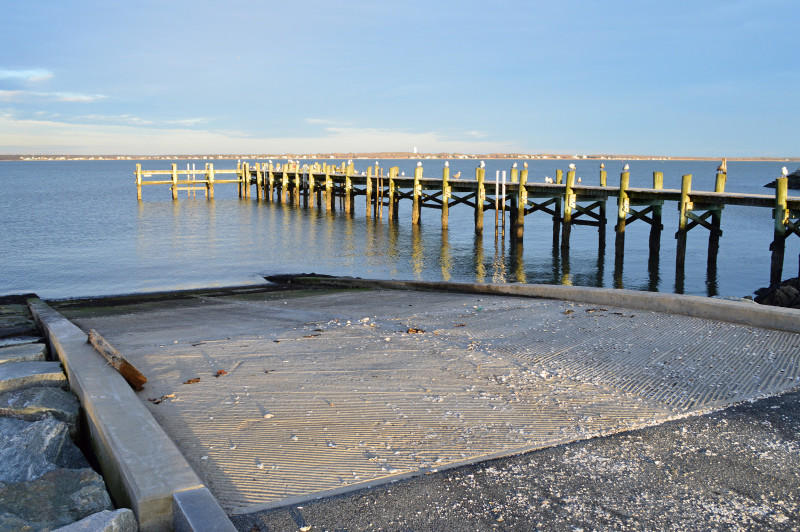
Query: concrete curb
x=142, y=467
x=784, y=319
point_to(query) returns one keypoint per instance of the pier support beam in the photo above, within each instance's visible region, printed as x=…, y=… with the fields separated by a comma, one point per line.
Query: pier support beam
x=174, y=181
x=684, y=207
x=139, y=181
x=445, y=196
x=602, y=223
x=480, y=198
x=393, y=199
x=623, y=207
x=416, y=208
x=521, y=204
x=569, y=206
x=210, y=180
x=781, y=215
x=557, y=211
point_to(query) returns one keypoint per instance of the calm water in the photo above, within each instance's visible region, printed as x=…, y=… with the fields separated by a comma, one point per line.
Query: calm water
x=75, y=228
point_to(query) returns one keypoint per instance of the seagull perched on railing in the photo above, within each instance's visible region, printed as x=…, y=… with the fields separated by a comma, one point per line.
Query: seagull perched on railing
x=548, y=179
x=457, y=175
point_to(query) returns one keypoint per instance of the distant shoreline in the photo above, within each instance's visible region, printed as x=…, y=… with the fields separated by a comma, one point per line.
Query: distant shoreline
x=386, y=155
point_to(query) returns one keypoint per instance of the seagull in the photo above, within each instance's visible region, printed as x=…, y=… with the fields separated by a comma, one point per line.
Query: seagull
x=547, y=179
x=514, y=165
x=723, y=167
x=447, y=163
x=626, y=167
x=602, y=166
x=402, y=174
x=457, y=175
x=525, y=165
x=419, y=163
x=483, y=164
x=579, y=180
x=572, y=166
x=784, y=171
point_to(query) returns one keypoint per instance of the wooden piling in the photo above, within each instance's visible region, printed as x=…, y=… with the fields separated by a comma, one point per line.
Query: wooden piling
x=445, y=196
x=416, y=208
x=623, y=207
x=298, y=184
x=270, y=183
x=139, y=181
x=368, y=192
x=393, y=200
x=284, y=183
x=656, y=226
x=716, y=219
x=330, y=204
x=174, y=181
x=239, y=177
x=259, y=183
x=210, y=180
x=522, y=202
x=312, y=185
x=569, y=206
x=684, y=207
x=601, y=227
x=348, y=189
x=480, y=198
x=781, y=215
x=557, y=211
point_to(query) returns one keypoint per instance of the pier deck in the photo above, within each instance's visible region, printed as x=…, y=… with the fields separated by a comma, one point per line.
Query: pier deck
x=310, y=393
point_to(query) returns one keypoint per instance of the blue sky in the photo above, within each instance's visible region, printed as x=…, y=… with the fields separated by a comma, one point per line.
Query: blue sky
x=698, y=78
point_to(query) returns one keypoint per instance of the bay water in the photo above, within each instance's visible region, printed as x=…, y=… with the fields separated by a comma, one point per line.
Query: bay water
x=75, y=229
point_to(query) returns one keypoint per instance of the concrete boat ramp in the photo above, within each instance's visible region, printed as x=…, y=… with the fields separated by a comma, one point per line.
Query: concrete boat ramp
x=276, y=397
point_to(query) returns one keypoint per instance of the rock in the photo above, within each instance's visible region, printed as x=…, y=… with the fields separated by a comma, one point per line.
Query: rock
x=786, y=294
x=35, y=404
x=18, y=340
x=29, y=450
x=23, y=353
x=121, y=520
x=57, y=498
x=21, y=375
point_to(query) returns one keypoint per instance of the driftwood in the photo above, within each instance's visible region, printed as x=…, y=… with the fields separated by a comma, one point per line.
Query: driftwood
x=117, y=361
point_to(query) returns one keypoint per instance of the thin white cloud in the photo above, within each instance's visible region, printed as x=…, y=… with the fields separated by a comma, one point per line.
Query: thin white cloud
x=32, y=75
x=52, y=136
x=71, y=96
x=20, y=95
x=10, y=96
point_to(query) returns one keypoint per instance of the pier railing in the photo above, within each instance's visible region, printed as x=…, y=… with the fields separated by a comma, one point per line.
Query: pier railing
x=566, y=200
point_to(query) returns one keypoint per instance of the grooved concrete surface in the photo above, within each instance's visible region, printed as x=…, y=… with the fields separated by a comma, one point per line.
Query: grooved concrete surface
x=323, y=392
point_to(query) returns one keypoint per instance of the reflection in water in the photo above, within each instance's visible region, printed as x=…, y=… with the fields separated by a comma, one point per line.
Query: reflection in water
x=711, y=267
x=654, y=277
x=618, y=262
x=601, y=263
x=480, y=268
x=680, y=277
x=394, y=251
x=417, y=255
x=445, y=259
x=556, y=269
x=517, y=262
x=565, y=278
x=499, y=262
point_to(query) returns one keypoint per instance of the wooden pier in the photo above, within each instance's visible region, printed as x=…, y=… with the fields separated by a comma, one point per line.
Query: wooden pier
x=567, y=202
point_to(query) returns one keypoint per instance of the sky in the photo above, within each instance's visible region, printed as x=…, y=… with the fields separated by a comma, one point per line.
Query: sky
x=682, y=77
